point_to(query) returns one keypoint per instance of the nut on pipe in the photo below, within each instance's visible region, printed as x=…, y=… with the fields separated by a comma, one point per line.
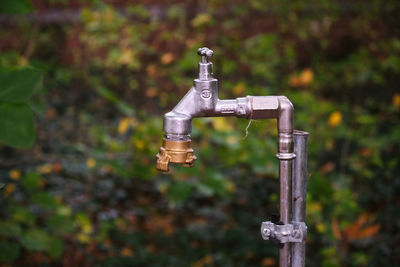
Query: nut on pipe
x=175, y=152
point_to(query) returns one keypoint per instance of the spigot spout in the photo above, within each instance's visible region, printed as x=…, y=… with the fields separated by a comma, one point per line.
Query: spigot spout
x=175, y=152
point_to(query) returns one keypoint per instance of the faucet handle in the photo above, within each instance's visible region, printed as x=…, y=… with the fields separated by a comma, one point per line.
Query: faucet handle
x=205, y=54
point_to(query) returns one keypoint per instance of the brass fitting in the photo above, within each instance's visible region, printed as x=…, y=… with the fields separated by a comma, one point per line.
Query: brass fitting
x=175, y=152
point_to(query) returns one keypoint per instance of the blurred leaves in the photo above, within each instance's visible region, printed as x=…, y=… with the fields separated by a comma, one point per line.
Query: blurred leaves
x=9, y=251
x=16, y=117
x=15, y=7
x=18, y=85
x=16, y=125
x=88, y=193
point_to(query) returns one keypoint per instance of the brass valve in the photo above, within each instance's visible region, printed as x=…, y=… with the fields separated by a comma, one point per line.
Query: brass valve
x=175, y=152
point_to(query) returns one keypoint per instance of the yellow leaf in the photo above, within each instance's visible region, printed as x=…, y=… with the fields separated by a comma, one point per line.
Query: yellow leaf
x=366, y=152
x=15, y=174
x=58, y=199
x=321, y=227
x=64, y=210
x=201, y=19
x=44, y=169
x=294, y=81
x=221, y=124
x=304, y=78
x=151, y=92
x=9, y=189
x=124, y=124
x=239, y=89
x=315, y=207
x=268, y=262
x=83, y=238
x=109, y=15
x=335, y=119
x=230, y=186
x=163, y=188
x=249, y=255
x=203, y=261
x=359, y=230
x=90, y=163
x=151, y=70
x=121, y=224
x=57, y=167
x=167, y=58
x=368, y=231
x=126, y=56
x=396, y=100
x=232, y=139
x=139, y=144
x=151, y=248
x=335, y=229
x=190, y=43
x=126, y=252
x=327, y=167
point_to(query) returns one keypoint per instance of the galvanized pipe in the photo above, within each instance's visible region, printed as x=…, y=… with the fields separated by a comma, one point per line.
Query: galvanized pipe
x=285, y=156
x=299, y=188
x=285, y=174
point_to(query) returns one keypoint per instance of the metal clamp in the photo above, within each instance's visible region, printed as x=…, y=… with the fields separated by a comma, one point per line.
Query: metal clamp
x=294, y=233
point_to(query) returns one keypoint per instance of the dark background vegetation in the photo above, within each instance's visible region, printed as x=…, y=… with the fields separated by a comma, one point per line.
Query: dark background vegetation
x=87, y=192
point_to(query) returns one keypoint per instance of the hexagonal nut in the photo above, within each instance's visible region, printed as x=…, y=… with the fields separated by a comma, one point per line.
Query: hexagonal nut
x=264, y=107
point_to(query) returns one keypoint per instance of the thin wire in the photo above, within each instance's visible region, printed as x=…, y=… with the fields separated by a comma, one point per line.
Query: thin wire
x=247, y=128
x=251, y=118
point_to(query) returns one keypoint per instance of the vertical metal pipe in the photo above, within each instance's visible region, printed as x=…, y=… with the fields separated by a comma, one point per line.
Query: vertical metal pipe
x=299, y=189
x=285, y=174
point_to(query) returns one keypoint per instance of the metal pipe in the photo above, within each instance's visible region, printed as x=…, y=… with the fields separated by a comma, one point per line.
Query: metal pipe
x=202, y=101
x=285, y=156
x=285, y=174
x=299, y=187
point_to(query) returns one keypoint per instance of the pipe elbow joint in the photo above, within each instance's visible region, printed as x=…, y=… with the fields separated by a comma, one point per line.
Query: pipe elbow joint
x=285, y=117
x=177, y=124
x=285, y=129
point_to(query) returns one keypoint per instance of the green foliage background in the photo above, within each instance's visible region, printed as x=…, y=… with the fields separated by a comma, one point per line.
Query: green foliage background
x=87, y=192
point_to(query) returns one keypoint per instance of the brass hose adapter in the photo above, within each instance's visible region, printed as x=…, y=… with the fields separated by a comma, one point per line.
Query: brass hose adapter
x=175, y=152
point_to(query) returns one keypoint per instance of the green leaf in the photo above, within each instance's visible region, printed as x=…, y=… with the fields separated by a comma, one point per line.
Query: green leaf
x=179, y=192
x=61, y=224
x=35, y=240
x=10, y=229
x=16, y=125
x=9, y=251
x=55, y=247
x=14, y=7
x=17, y=86
x=23, y=215
x=38, y=240
x=31, y=181
x=44, y=200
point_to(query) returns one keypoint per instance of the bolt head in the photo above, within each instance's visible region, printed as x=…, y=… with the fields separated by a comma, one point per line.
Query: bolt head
x=267, y=232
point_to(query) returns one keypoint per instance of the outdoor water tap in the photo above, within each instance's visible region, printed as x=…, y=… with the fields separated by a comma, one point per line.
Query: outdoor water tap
x=202, y=101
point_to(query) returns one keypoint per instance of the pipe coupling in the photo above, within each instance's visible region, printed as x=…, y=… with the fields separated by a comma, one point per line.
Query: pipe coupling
x=175, y=152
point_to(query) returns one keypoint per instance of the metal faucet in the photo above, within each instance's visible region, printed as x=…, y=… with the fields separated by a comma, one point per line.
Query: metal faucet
x=202, y=101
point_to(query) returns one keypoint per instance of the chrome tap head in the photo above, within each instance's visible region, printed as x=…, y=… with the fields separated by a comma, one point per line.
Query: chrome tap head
x=205, y=66
x=205, y=54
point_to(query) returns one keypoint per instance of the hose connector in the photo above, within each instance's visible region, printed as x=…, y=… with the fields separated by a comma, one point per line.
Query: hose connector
x=175, y=152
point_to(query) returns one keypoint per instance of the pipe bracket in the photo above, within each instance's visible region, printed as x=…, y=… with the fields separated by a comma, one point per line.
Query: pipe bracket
x=285, y=156
x=288, y=233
